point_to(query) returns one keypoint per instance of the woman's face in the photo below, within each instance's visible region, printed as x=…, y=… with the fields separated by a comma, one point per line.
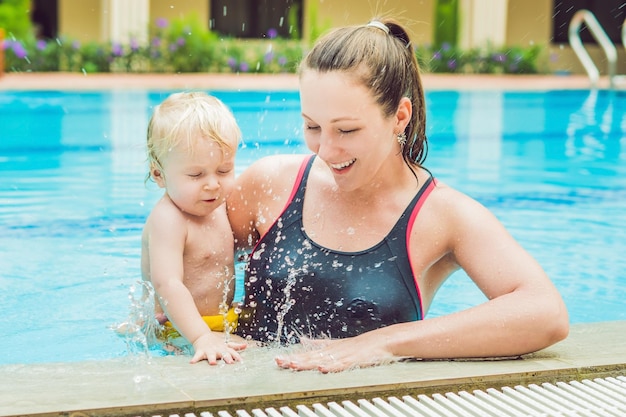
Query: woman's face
x=346, y=128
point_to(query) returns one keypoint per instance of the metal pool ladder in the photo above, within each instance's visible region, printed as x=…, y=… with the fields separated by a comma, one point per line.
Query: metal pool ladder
x=587, y=17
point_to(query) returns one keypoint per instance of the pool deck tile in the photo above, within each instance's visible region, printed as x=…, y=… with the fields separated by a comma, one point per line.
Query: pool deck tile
x=170, y=385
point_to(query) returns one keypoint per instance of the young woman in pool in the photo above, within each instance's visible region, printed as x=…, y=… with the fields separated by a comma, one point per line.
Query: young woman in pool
x=351, y=244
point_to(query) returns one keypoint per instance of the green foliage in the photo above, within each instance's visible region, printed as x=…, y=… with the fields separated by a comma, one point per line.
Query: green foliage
x=15, y=18
x=503, y=60
x=293, y=21
x=315, y=28
x=92, y=57
x=185, y=46
x=262, y=56
x=182, y=45
x=446, y=22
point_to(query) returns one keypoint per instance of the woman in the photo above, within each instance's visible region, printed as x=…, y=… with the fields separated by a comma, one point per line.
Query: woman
x=351, y=244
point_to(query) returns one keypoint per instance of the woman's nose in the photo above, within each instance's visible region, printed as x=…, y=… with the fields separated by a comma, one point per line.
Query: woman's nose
x=325, y=147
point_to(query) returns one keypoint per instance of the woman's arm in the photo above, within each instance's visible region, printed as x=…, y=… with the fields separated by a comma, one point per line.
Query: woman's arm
x=524, y=311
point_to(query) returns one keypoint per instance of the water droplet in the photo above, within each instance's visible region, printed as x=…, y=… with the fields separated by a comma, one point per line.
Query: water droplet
x=337, y=264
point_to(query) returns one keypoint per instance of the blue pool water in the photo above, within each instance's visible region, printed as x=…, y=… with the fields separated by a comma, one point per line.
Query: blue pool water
x=551, y=165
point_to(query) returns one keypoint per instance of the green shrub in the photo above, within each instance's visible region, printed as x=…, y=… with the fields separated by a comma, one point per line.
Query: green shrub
x=15, y=18
x=184, y=45
x=503, y=60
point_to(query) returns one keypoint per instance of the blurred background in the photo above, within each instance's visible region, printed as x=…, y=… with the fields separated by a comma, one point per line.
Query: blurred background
x=458, y=36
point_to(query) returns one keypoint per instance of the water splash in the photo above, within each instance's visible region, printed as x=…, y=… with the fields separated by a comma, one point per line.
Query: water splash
x=288, y=302
x=141, y=329
x=229, y=277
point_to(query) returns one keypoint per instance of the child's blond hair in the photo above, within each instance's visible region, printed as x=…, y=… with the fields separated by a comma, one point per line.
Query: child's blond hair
x=187, y=117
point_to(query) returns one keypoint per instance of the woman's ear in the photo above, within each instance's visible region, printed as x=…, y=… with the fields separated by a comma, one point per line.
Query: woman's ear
x=403, y=114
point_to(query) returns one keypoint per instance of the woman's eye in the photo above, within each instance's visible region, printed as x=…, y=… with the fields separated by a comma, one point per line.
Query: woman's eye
x=344, y=132
x=195, y=175
x=312, y=127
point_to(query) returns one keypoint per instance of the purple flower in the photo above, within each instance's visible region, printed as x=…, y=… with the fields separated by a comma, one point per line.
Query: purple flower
x=445, y=46
x=117, y=49
x=173, y=47
x=272, y=33
x=41, y=45
x=19, y=50
x=244, y=67
x=282, y=61
x=156, y=42
x=161, y=23
x=76, y=45
x=267, y=58
x=452, y=64
x=232, y=62
x=134, y=45
x=180, y=41
x=437, y=55
x=499, y=57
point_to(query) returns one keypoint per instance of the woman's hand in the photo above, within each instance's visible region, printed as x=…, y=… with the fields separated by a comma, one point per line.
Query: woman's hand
x=336, y=355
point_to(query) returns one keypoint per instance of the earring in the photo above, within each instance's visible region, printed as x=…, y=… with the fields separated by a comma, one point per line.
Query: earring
x=401, y=138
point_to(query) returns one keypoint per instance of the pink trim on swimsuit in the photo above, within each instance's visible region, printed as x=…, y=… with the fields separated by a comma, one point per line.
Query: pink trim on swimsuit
x=409, y=228
x=294, y=190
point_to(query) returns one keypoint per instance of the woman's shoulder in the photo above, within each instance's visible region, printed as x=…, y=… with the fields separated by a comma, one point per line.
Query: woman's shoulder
x=456, y=208
x=275, y=167
x=444, y=194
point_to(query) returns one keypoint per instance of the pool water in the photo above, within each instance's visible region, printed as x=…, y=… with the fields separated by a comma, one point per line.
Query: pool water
x=551, y=165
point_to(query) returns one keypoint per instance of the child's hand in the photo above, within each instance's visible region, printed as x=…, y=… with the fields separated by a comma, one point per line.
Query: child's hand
x=211, y=346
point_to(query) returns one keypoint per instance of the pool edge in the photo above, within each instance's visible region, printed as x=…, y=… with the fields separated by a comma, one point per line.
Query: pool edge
x=135, y=386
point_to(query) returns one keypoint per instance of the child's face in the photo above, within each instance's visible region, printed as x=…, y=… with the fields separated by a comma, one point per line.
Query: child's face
x=200, y=181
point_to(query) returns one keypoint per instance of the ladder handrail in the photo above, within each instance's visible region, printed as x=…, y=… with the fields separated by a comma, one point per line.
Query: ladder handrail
x=584, y=15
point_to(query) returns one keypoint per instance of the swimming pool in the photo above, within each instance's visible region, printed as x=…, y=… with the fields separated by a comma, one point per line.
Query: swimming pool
x=551, y=165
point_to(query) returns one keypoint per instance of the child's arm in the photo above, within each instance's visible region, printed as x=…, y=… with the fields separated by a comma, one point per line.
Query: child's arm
x=166, y=245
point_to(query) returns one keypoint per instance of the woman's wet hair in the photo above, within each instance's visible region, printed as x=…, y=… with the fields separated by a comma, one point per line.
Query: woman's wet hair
x=381, y=57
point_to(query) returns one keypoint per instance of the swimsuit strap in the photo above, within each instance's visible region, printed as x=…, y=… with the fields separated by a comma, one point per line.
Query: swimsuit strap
x=296, y=199
x=294, y=204
x=398, y=241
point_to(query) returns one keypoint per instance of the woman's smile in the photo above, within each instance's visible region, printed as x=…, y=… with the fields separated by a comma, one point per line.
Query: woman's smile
x=342, y=165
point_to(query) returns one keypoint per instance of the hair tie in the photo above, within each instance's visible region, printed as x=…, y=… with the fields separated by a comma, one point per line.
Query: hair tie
x=378, y=25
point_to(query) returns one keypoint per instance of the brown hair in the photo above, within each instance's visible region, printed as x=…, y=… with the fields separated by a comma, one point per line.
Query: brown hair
x=382, y=58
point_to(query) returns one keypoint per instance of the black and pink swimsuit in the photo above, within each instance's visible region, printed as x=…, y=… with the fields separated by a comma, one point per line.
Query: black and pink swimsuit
x=295, y=287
